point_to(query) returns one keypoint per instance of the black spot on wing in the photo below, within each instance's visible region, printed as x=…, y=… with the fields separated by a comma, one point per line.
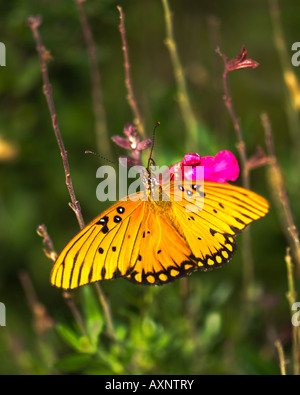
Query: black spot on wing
x=120, y=210
x=212, y=231
x=164, y=276
x=105, y=229
x=102, y=221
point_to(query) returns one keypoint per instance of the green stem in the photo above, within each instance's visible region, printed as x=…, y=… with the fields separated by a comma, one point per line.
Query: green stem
x=107, y=311
x=282, y=362
x=285, y=60
x=291, y=297
x=182, y=95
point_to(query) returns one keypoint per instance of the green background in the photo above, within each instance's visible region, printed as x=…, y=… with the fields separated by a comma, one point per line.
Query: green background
x=211, y=324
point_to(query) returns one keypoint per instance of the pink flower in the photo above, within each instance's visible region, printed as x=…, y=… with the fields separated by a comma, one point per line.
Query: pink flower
x=133, y=143
x=241, y=61
x=224, y=166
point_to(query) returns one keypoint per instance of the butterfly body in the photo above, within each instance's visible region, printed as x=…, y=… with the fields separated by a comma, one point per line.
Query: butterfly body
x=160, y=234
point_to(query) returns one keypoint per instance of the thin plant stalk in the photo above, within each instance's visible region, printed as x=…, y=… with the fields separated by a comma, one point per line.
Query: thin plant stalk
x=44, y=55
x=241, y=147
x=50, y=253
x=289, y=228
x=76, y=313
x=289, y=76
x=106, y=308
x=102, y=138
x=34, y=23
x=291, y=297
x=182, y=95
x=42, y=321
x=276, y=181
x=128, y=82
x=281, y=357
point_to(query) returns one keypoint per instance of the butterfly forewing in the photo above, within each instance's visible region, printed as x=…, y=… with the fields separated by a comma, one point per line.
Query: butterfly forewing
x=87, y=257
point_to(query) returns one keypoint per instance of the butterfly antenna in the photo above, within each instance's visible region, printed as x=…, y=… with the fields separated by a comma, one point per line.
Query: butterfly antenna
x=150, y=160
x=100, y=156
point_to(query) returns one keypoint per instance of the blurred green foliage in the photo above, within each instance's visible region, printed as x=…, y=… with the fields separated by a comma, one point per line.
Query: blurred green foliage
x=208, y=324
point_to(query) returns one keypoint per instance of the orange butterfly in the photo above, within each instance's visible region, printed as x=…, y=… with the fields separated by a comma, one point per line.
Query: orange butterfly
x=152, y=241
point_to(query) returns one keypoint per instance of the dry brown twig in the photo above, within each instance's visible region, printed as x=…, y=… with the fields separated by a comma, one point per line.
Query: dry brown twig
x=128, y=82
x=41, y=318
x=51, y=254
x=47, y=242
x=241, y=61
x=34, y=23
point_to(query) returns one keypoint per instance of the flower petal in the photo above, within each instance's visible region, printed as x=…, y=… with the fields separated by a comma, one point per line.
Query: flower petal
x=121, y=141
x=224, y=166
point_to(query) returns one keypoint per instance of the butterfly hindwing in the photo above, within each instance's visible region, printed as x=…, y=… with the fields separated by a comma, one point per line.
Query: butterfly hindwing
x=164, y=254
x=224, y=211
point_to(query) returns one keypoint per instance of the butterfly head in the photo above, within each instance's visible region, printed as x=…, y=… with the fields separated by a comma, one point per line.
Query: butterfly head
x=150, y=183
